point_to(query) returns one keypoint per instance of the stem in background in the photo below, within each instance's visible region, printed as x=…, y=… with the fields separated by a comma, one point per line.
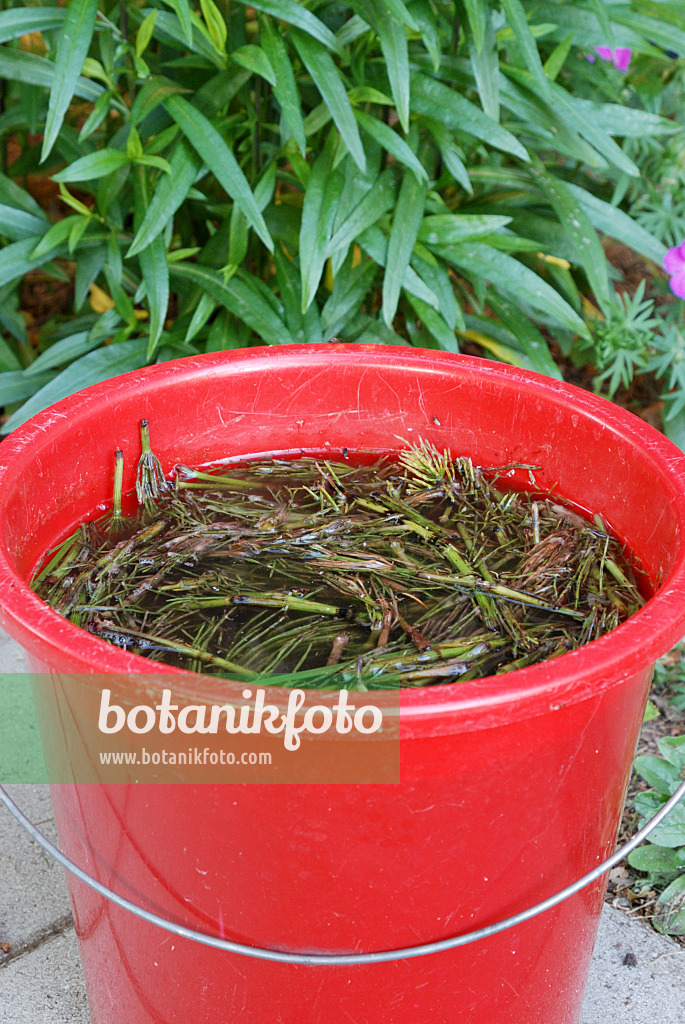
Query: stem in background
x=3, y=140
x=123, y=21
x=457, y=29
x=256, y=140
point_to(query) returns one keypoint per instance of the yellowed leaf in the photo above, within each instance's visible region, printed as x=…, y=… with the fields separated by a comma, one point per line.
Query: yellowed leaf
x=99, y=300
x=556, y=261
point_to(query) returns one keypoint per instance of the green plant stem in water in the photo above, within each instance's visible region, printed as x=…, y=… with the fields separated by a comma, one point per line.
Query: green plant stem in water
x=408, y=573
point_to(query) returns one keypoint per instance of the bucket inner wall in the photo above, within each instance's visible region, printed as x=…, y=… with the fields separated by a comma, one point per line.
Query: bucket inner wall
x=511, y=787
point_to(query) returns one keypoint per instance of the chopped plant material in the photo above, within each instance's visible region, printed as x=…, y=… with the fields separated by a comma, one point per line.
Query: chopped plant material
x=408, y=572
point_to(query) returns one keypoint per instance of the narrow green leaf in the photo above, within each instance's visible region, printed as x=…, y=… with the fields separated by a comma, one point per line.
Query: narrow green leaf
x=431, y=97
x=154, y=161
x=106, y=362
x=254, y=59
x=150, y=96
x=201, y=315
x=601, y=13
x=557, y=57
x=18, y=224
x=18, y=66
x=171, y=190
x=403, y=235
x=485, y=65
x=375, y=244
x=8, y=358
x=153, y=266
x=55, y=236
x=566, y=108
x=237, y=296
x=19, y=21
x=663, y=31
x=169, y=30
x=16, y=385
x=304, y=327
x=579, y=228
x=95, y=165
x=516, y=17
x=13, y=195
x=526, y=333
x=350, y=287
x=367, y=94
x=393, y=143
x=448, y=228
x=393, y=40
x=216, y=26
x=327, y=80
x=96, y=116
x=144, y=34
x=366, y=330
x=449, y=152
x=285, y=87
x=72, y=50
x=625, y=122
x=437, y=278
x=63, y=351
x=16, y=259
x=434, y=324
x=318, y=213
x=182, y=9
x=515, y=280
x=477, y=12
x=77, y=232
x=374, y=203
x=422, y=13
x=400, y=13
x=617, y=224
x=209, y=144
x=296, y=14
x=89, y=263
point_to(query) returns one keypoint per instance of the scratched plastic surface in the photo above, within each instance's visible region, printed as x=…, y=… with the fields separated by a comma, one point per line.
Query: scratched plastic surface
x=511, y=786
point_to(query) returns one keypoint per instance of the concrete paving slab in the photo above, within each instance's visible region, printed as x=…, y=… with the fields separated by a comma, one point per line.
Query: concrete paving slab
x=12, y=656
x=33, y=893
x=45, y=986
x=637, y=976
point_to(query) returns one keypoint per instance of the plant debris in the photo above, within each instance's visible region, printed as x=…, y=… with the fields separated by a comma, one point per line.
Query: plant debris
x=407, y=572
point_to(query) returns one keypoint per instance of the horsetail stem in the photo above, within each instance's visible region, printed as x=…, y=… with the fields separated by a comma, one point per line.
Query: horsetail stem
x=118, y=482
x=306, y=572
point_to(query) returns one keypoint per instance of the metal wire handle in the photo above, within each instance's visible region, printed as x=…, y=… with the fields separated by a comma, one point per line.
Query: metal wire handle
x=333, y=959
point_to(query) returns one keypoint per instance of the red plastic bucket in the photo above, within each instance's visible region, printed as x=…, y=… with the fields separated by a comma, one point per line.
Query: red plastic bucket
x=511, y=787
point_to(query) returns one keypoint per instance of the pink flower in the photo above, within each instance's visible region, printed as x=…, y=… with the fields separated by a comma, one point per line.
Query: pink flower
x=620, y=57
x=674, y=264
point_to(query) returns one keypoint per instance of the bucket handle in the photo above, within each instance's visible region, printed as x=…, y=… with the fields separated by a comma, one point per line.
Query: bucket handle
x=333, y=959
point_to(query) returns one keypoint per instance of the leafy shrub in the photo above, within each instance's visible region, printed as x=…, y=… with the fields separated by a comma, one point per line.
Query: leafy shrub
x=234, y=174
x=663, y=858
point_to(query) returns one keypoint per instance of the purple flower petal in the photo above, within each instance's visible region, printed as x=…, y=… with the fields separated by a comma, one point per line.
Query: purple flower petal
x=677, y=284
x=674, y=259
x=622, y=56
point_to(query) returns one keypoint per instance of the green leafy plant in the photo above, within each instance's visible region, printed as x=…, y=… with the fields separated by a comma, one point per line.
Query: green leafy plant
x=620, y=340
x=233, y=174
x=663, y=858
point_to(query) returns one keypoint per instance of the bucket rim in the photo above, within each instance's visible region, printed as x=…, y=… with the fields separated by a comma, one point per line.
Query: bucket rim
x=631, y=648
